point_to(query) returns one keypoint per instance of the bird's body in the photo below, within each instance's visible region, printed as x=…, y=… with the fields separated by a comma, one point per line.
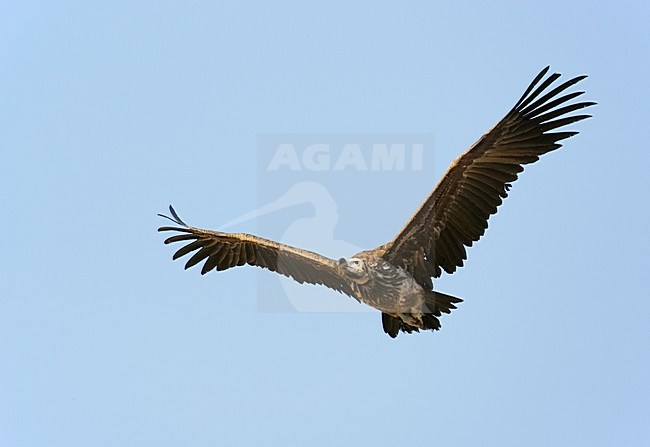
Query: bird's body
x=383, y=285
x=392, y=290
x=396, y=278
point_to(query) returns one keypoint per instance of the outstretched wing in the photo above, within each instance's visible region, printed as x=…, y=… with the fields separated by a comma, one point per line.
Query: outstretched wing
x=457, y=211
x=222, y=251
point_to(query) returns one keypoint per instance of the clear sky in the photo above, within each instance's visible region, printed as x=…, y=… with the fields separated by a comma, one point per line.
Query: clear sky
x=109, y=111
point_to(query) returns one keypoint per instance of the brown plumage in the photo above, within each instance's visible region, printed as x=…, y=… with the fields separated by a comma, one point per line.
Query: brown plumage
x=396, y=278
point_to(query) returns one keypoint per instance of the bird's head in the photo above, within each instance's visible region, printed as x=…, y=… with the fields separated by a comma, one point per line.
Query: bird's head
x=356, y=268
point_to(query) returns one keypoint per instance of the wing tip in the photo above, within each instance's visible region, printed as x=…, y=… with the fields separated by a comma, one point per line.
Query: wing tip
x=179, y=229
x=175, y=218
x=534, y=90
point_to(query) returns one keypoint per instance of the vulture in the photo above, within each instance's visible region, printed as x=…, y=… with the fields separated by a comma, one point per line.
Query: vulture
x=396, y=278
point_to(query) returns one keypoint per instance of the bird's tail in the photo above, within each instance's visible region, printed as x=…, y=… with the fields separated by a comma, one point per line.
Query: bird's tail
x=436, y=304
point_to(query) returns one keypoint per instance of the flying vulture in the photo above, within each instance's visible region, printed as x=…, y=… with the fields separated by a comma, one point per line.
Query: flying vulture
x=396, y=278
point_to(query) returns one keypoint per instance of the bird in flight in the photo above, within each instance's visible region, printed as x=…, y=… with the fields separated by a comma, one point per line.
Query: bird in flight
x=397, y=277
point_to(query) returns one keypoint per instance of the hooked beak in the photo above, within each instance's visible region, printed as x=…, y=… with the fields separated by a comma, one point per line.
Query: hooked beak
x=347, y=268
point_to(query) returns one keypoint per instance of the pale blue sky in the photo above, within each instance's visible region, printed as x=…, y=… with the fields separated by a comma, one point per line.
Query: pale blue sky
x=112, y=110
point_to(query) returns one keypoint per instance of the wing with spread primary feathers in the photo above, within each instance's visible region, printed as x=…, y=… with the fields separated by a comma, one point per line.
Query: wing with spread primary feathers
x=457, y=211
x=222, y=251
